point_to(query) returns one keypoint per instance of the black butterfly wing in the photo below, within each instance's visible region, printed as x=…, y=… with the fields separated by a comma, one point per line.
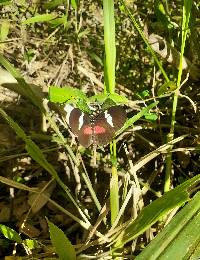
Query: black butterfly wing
x=107, y=123
x=80, y=125
x=85, y=135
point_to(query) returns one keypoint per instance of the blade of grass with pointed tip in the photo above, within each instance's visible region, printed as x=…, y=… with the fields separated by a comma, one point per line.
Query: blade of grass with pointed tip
x=158, y=209
x=180, y=238
x=23, y=86
x=63, y=246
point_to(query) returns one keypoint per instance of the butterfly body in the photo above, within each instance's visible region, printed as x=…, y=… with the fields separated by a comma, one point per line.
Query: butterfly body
x=98, y=129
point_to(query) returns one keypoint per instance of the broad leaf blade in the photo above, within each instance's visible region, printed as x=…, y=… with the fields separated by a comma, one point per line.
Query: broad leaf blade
x=9, y=233
x=180, y=238
x=62, y=95
x=158, y=209
x=40, y=18
x=63, y=246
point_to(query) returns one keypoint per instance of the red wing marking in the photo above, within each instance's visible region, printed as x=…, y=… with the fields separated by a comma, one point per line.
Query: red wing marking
x=99, y=129
x=88, y=130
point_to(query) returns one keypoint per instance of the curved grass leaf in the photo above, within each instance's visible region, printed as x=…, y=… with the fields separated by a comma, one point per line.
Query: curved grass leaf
x=63, y=246
x=158, y=209
x=35, y=152
x=180, y=239
x=23, y=87
x=133, y=119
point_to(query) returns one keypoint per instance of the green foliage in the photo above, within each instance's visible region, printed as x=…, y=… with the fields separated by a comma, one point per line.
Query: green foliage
x=110, y=48
x=166, y=88
x=40, y=18
x=143, y=94
x=31, y=243
x=163, y=18
x=151, y=116
x=52, y=4
x=4, y=30
x=62, y=95
x=59, y=21
x=29, y=54
x=80, y=100
x=5, y=2
x=133, y=119
x=9, y=233
x=180, y=238
x=62, y=245
x=158, y=209
x=74, y=3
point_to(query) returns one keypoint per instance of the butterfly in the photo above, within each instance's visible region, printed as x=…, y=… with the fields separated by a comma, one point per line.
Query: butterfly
x=98, y=129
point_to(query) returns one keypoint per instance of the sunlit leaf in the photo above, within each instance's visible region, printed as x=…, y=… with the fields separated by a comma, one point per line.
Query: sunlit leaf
x=167, y=87
x=74, y=4
x=63, y=246
x=9, y=233
x=158, y=209
x=40, y=18
x=53, y=4
x=62, y=95
x=180, y=238
x=151, y=116
x=31, y=243
x=5, y=26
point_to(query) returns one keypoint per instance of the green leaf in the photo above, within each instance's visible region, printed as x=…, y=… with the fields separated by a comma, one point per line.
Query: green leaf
x=180, y=238
x=59, y=21
x=151, y=116
x=40, y=18
x=109, y=41
x=100, y=98
x=29, y=54
x=158, y=209
x=23, y=88
x=62, y=95
x=118, y=98
x=95, y=57
x=83, y=33
x=5, y=26
x=83, y=106
x=31, y=243
x=143, y=94
x=63, y=246
x=133, y=119
x=11, y=234
x=5, y=2
x=103, y=98
x=53, y=4
x=167, y=87
x=74, y=4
